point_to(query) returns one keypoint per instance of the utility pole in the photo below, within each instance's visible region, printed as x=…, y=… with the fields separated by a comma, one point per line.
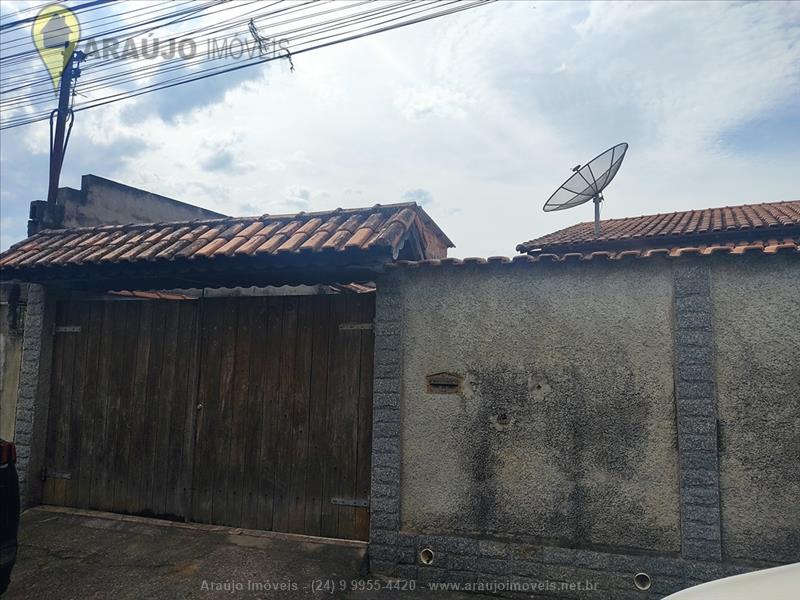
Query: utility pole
x=58, y=142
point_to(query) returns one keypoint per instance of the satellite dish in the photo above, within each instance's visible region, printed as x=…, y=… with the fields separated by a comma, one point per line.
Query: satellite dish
x=588, y=183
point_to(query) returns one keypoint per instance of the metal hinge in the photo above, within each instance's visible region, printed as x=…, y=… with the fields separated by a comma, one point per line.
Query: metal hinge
x=66, y=329
x=355, y=326
x=357, y=502
x=46, y=473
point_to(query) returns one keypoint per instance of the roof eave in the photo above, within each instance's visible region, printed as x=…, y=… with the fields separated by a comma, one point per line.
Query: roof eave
x=235, y=271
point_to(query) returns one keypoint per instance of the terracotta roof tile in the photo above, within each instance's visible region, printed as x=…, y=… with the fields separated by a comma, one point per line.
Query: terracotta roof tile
x=321, y=235
x=361, y=229
x=705, y=231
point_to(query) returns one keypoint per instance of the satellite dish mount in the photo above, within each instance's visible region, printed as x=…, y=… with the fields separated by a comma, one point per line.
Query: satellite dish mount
x=597, y=200
x=588, y=183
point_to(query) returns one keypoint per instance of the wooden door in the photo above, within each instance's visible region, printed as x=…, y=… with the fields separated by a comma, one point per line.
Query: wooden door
x=283, y=438
x=120, y=416
x=248, y=411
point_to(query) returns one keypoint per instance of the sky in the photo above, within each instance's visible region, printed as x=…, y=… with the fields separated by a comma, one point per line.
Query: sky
x=478, y=117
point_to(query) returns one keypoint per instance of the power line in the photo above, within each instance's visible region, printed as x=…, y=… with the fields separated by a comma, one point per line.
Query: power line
x=179, y=63
x=164, y=5
x=158, y=85
x=85, y=6
x=115, y=63
x=138, y=73
x=115, y=98
x=118, y=29
x=303, y=39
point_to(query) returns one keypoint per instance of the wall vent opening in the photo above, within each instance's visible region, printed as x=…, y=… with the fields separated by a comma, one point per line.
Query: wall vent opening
x=444, y=383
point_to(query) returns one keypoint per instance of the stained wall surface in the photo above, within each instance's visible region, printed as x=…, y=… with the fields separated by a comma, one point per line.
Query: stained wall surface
x=756, y=305
x=565, y=429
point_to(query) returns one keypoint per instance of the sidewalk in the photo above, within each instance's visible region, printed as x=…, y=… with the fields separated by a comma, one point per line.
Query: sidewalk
x=67, y=554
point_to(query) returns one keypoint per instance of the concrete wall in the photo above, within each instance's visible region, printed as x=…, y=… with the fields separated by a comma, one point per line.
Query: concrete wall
x=613, y=418
x=102, y=201
x=757, y=343
x=578, y=360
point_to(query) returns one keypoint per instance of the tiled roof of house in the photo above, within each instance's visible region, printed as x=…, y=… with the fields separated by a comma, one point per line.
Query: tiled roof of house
x=735, y=229
x=383, y=229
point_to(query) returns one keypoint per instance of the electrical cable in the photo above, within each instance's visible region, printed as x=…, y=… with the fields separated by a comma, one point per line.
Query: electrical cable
x=336, y=34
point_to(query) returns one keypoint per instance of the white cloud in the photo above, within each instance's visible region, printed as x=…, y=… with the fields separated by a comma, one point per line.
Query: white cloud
x=486, y=111
x=433, y=101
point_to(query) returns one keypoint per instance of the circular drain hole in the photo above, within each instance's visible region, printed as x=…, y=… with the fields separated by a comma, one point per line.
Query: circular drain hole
x=426, y=556
x=642, y=581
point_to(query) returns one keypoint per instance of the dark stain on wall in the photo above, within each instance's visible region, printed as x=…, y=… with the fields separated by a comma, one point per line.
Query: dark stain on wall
x=758, y=479
x=587, y=439
x=504, y=393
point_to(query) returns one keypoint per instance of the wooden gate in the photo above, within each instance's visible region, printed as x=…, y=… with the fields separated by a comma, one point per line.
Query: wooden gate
x=246, y=411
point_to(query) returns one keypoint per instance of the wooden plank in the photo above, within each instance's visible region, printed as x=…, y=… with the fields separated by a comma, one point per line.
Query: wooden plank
x=281, y=498
x=335, y=439
x=347, y=414
x=241, y=418
x=138, y=428
x=147, y=392
x=253, y=433
x=221, y=441
x=161, y=409
x=267, y=460
x=318, y=405
x=206, y=423
x=131, y=480
x=63, y=447
x=181, y=415
x=92, y=408
x=78, y=417
x=116, y=378
x=99, y=498
x=128, y=373
x=51, y=493
x=364, y=435
x=300, y=414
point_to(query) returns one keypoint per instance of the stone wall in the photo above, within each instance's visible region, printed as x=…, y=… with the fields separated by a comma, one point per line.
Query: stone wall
x=33, y=394
x=582, y=443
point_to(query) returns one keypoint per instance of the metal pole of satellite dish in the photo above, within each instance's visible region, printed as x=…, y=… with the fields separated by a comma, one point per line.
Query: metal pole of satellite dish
x=597, y=200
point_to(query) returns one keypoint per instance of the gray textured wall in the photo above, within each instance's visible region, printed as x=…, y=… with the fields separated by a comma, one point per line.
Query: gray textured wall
x=101, y=201
x=579, y=359
x=756, y=305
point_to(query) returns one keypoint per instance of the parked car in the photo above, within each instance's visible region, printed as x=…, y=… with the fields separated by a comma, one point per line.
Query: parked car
x=779, y=583
x=9, y=511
